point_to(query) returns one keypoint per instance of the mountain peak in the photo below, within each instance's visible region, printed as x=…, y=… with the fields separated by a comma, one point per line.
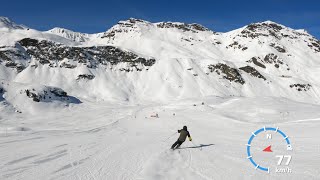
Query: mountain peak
x=265, y=25
x=265, y=29
x=269, y=22
x=60, y=30
x=5, y=22
x=141, y=26
x=132, y=21
x=68, y=34
x=135, y=20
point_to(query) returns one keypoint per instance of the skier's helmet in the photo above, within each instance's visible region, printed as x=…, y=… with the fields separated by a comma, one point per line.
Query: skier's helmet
x=185, y=127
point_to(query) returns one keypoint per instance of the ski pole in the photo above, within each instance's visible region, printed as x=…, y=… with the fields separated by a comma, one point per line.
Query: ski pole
x=169, y=136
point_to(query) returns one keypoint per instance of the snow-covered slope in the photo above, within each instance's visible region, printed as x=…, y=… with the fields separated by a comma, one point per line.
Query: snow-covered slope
x=120, y=142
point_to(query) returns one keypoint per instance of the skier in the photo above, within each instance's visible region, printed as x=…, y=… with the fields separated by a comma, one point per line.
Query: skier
x=183, y=135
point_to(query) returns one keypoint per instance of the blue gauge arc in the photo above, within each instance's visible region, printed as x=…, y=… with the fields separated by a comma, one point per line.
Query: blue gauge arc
x=254, y=134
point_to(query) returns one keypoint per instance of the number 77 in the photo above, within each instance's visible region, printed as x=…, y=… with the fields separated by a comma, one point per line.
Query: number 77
x=281, y=157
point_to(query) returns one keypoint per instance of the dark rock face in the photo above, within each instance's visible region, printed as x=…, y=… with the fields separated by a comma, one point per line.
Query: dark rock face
x=86, y=76
x=130, y=26
x=183, y=26
x=46, y=51
x=111, y=34
x=9, y=55
x=273, y=59
x=257, y=29
x=58, y=92
x=253, y=72
x=227, y=72
x=131, y=22
x=19, y=67
x=269, y=59
x=50, y=53
x=1, y=93
x=3, y=56
x=246, y=33
x=258, y=26
x=66, y=65
x=236, y=45
x=29, y=42
x=279, y=48
x=198, y=27
x=255, y=61
x=123, y=27
x=32, y=95
x=301, y=87
x=58, y=55
x=47, y=95
x=314, y=44
x=134, y=20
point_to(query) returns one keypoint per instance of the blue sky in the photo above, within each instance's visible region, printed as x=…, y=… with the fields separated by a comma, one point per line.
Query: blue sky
x=97, y=16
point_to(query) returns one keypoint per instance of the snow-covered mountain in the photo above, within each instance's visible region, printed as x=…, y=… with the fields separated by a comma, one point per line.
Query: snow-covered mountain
x=8, y=24
x=137, y=60
x=68, y=34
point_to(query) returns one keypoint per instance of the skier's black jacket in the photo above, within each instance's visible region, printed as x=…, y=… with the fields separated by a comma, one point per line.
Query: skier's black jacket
x=183, y=134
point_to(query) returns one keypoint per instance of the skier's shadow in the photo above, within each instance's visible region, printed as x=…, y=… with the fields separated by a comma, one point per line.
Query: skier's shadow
x=199, y=146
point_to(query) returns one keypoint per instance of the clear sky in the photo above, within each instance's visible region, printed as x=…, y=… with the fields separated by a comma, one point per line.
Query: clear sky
x=93, y=16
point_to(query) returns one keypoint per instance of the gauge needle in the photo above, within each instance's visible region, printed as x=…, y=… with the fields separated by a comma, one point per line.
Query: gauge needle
x=268, y=149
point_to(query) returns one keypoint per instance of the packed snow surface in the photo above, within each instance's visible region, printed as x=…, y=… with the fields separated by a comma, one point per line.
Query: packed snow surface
x=119, y=141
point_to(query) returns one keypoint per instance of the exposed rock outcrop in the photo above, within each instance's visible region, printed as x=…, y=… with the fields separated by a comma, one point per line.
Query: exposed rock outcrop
x=301, y=87
x=269, y=59
x=47, y=52
x=85, y=76
x=253, y=72
x=47, y=94
x=183, y=26
x=278, y=47
x=227, y=72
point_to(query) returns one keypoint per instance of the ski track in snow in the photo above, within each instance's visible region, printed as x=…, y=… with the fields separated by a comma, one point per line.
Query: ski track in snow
x=124, y=142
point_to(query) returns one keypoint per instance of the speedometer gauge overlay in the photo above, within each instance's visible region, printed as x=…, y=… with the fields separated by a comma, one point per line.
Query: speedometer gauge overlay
x=269, y=149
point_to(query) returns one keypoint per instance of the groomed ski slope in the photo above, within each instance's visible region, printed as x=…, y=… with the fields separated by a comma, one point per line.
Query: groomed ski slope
x=119, y=141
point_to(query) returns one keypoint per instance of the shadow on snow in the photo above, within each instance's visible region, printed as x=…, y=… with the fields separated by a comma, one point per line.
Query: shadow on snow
x=197, y=146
